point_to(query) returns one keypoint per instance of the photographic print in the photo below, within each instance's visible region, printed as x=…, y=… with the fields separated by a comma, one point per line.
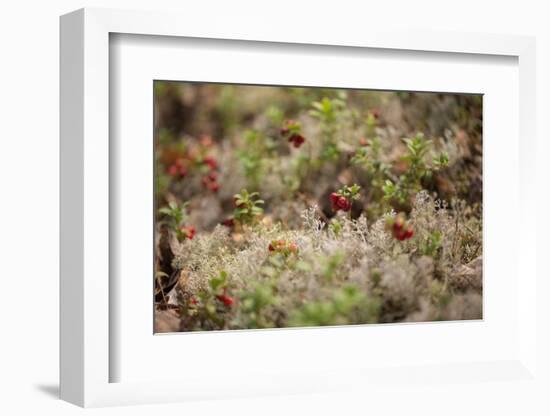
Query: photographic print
x=280, y=206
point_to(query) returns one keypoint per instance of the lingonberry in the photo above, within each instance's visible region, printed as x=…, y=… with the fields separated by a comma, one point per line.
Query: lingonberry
x=399, y=227
x=214, y=187
x=225, y=298
x=334, y=197
x=211, y=162
x=297, y=140
x=188, y=232
x=293, y=131
x=400, y=236
x=283, y=247
x=342, y=199
x=229, y=222
x=210, y=182
x=343, y=203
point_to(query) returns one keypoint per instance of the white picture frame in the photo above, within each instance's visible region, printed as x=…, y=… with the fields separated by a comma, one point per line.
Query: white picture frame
x=87, y=355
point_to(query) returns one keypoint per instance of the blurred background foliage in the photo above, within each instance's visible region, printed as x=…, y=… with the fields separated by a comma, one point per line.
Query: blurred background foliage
x=228, y=137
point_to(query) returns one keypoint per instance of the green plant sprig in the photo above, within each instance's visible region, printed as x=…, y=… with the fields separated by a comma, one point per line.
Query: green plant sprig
x=248, y=208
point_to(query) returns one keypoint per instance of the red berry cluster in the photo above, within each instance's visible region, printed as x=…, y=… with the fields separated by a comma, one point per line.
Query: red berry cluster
x=283, y=247
x=225, y=298
x=210, y=180
x=197, y=158
x=178, y=169
x=210, y=162
x=291, y=130
x=187, y=232
x=339, y=202
x=297, y=140
x=399, y=227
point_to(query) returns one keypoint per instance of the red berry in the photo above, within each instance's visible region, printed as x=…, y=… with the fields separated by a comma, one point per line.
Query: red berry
x=193, y=300
x=334, y=199
x=211, y=162
x=284, y=131
x=189, y=232
x=363, y=141
x=398, y=224
x=399, y=234
x=209, y=181
x=400, y=228
x=343, y=203
x=403, y=234
x=229, y=222
x=225, y=298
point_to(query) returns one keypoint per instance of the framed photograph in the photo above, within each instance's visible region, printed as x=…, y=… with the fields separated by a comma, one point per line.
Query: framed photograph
x=282, y=206
x=281, y=212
